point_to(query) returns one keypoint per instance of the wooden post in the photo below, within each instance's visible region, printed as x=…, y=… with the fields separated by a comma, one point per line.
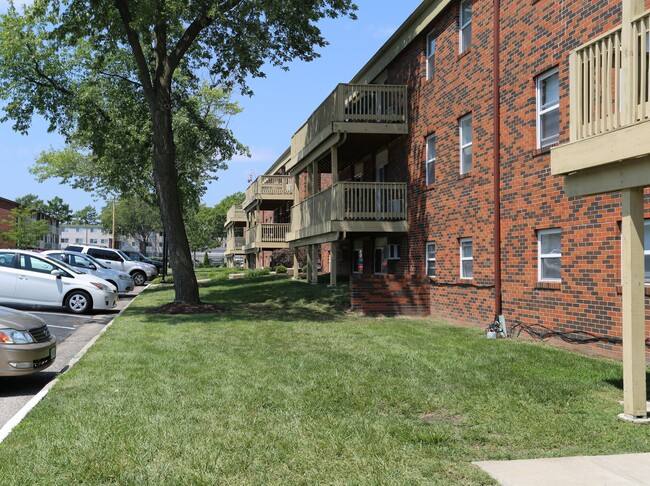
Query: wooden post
x=631, y=9
x=333, y=264
x=296, y=264
x=632, y=276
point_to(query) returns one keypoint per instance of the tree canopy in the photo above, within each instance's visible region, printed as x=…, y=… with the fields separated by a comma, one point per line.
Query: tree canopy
x=134, y=87
x=134, y=217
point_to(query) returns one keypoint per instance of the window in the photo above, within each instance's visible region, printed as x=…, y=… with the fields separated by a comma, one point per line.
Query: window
x=646, y=250
x=431, y=259
x=357, y=257
x=93, y=241
x=466, y=258
x=465, y=25
x=431, y=159
x=393, y=251
x=549, y=255
x=465, y=124
x=79, y=240
x=548, y=109
x=431, y=55
x=380, y=261
x=64, y=240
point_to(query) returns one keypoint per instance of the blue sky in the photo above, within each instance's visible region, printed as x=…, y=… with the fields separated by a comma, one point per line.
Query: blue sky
x=282, y=102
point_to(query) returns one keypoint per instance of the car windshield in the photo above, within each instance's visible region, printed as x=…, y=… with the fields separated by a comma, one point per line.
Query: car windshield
x=96, y=262
x=62, y=264
x=124, y=255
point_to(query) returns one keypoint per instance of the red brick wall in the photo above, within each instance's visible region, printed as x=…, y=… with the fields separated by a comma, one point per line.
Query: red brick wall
x=536, y=36
x=5, y=214
x=389, y=295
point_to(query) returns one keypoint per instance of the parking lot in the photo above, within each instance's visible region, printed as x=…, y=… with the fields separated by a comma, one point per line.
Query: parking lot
x=73, y=332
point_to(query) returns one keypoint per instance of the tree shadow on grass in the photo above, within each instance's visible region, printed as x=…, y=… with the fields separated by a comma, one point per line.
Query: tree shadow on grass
x=265, y=299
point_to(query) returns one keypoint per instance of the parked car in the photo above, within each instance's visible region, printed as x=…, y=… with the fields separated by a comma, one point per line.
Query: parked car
x=122, y=281
x=118, y=260
x=139, y=257
x=26, y=345
x=28, y=278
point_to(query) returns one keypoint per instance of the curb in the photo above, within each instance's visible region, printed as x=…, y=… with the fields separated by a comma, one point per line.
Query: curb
x=22, y=413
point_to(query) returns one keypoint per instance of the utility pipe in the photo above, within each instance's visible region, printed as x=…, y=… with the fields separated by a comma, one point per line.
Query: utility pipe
x=496, y=143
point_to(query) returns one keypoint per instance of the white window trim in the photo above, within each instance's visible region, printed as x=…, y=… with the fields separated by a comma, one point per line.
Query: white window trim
x=466, y=259
x=462, y=24
x=430, y=159
x=542, y=111
x=427, y=259
x=431, y=55
x=460, y=133
x=541, y=256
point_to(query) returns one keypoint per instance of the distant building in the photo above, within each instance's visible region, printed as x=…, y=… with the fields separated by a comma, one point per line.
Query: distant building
x=94, y=234
x=50, y=241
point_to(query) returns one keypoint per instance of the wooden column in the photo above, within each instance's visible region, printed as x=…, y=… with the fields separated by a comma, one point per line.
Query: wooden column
x=296, y=264
x=314, y=263
x=310, y=263
x=632, y=276
x=630, y=10
x=333, y=267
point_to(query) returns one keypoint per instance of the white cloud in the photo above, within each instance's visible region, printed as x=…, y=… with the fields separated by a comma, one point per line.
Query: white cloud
x=258, y=155
x=381, y=32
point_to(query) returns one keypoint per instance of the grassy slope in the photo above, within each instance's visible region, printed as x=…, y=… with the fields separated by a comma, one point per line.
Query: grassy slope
x=285, y=387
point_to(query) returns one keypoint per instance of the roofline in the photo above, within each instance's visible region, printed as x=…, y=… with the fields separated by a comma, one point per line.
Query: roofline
x=403, y=36
x=282, y=160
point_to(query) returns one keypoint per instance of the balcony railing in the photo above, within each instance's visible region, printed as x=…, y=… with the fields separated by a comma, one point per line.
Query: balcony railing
x=266, y=233
x=235, y=244
x=271, y=186
x=235, y=214
x=352, y=201
x=354, y=103
x=598, y=103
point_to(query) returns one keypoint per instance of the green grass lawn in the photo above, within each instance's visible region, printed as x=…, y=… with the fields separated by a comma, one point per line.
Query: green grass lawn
x=287, y=387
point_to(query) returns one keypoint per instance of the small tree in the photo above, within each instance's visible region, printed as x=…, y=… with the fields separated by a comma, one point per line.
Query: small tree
x=26, y=230
x=134, y=217
x=87, y=215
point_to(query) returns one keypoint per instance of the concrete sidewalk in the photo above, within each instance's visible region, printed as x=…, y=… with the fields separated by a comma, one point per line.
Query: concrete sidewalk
x=625, y=469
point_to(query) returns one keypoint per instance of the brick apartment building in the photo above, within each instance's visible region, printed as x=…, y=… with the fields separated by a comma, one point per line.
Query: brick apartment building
x=436, y=176
x=49, y=241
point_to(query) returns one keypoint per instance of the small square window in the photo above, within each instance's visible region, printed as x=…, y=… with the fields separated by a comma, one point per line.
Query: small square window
x=431, y=159
x=466, y=258
x=549, y=255
x=431, y=259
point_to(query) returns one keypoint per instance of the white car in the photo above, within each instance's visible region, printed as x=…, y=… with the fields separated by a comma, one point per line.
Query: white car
x=28, y=278
x=87, y=264
x=118, y=260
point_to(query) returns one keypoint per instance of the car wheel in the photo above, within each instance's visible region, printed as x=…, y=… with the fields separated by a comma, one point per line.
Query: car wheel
x=139, y=278
x=78, y=302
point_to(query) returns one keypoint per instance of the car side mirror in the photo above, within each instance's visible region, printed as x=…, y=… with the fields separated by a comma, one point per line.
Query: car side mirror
x=92, y=266
x=56, y=273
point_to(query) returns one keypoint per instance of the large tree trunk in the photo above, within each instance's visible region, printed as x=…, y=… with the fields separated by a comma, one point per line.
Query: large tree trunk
x=165, y=178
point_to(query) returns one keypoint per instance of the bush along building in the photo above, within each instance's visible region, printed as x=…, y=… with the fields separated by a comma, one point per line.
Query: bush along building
x=489, y=162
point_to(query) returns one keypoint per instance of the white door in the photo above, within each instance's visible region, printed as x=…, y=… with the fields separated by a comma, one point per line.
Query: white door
x=36, y=284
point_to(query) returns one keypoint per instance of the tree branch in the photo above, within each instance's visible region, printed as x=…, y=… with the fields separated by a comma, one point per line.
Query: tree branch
x=119, y=76
x=134, y=42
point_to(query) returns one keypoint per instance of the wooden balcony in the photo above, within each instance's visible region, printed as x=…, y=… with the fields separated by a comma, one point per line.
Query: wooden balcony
x=235, y=245
x=236, y=216
x=266, y=236
x=269, y=191
x=610, y=110
x=368, y=109
x=361, y=207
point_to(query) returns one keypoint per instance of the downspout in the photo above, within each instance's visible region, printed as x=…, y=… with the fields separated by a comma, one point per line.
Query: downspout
x=496, y=102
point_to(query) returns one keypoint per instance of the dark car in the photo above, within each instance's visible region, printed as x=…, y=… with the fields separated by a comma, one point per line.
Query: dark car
x=139, y=257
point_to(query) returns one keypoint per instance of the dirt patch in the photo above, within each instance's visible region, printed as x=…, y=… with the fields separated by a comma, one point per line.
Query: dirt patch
x=183, y=308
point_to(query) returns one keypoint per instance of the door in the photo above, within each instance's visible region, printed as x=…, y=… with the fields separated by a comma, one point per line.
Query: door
x=36, y=284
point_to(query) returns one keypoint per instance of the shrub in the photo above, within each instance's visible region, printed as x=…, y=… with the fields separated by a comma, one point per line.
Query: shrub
x=280, y=269
x=206, y=260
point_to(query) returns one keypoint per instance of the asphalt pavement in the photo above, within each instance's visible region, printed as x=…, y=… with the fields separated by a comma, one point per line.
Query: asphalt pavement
x=73, y=332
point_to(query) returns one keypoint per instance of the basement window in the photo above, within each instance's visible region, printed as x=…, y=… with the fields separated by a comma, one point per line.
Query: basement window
x=646, y=250
x=431, y=259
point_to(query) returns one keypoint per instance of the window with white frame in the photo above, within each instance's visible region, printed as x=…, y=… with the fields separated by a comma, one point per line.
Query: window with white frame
x=465, y=25
x=548, y=108
x=466, y=258
x=549, y=255
x=431, y=55
x=431, y=159
x=431, y=259
x=646, y=250
x=465, y=125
